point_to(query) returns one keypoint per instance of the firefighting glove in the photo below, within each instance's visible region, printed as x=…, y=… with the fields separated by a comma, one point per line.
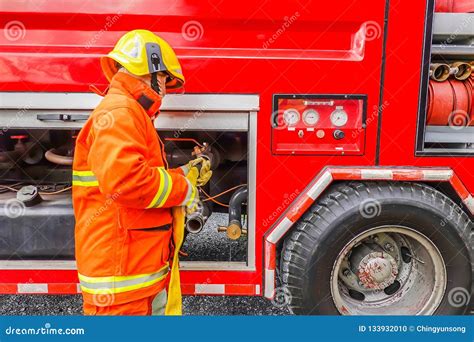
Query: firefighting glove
x=204, y=167
x=205, y=173
x=194, y=163
x=192, y=177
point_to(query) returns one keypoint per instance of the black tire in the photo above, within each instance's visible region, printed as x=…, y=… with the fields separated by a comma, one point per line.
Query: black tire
x=310, y=250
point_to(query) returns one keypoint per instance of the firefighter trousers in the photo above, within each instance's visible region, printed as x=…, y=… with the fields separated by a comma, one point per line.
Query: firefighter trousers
x=154, y=305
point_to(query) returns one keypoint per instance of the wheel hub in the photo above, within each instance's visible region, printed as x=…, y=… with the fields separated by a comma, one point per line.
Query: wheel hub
x=374, y=275
x=377, y=270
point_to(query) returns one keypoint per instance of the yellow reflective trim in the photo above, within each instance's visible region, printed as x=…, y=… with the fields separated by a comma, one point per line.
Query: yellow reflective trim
x=117, y=278
x=122, y=289
x=81, y=183
x=160, y=190
x=82, y=173
x=193, y=196
x=87, y=180
x=164, y=189
x=113, y=282
x=168, y=189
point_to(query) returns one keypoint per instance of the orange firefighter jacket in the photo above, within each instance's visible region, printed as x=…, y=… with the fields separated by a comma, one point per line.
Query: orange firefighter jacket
x=122, y=195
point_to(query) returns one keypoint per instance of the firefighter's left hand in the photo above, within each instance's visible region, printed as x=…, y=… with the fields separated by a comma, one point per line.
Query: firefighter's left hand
x=205, y=173
x=203, y=165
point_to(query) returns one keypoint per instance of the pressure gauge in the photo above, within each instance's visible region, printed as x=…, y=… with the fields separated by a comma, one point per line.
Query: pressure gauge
x=291, y=117
x=339, y=117
x=310, y=117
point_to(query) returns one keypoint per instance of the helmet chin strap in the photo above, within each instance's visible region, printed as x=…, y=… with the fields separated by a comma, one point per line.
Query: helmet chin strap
x=155, y=85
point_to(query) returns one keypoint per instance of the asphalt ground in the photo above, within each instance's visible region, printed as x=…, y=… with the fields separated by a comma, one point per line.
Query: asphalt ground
x=192, y=305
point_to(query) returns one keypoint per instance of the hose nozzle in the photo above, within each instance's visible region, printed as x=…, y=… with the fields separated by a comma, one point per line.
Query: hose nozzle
x=196, y=220
x=440, y=71
x=461, y=70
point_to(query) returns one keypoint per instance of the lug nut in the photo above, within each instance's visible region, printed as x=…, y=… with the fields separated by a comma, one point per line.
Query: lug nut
x=346, y=272
x=389, y=247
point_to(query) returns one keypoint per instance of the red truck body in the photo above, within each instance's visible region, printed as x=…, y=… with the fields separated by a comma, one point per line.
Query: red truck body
x=373, y=50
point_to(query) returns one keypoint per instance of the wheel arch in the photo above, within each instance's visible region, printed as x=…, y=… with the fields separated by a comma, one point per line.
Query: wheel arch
x=444, y=179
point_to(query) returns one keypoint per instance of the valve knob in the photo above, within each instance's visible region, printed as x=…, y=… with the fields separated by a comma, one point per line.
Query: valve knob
x=338, y=134
x=29, y=195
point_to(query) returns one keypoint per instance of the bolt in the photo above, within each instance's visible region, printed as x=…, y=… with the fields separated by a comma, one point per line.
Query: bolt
x=346, y=272
x=389, y=247
x=376, y=238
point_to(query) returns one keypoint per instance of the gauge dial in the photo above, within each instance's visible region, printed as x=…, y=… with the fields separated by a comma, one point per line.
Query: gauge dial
x=339, y=117
x=310, y=117
x=291, y=117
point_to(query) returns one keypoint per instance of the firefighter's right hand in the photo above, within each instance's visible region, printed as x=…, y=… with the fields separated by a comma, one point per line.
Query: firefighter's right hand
x=195, y=163
x=205, y=173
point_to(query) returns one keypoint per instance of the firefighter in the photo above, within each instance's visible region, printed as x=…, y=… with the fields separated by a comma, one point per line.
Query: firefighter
x=129, y=206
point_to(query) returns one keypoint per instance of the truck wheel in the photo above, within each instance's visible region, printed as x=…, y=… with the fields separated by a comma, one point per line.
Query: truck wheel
x=380, y=248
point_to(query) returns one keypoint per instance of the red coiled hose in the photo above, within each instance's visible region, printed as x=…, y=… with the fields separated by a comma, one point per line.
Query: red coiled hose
x=450, y=103
x=455, y=6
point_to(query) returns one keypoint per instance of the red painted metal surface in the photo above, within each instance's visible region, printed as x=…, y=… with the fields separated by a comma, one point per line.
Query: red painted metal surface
x=264, y=48
x=400, y=116
x=320, y=137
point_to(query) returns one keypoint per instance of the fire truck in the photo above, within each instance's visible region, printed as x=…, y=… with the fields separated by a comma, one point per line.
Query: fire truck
x=340, y=134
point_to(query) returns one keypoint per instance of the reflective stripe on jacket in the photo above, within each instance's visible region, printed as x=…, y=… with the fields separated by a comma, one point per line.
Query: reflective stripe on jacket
x=122, y=195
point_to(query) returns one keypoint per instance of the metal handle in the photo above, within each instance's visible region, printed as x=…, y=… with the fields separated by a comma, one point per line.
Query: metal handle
x=62, y=117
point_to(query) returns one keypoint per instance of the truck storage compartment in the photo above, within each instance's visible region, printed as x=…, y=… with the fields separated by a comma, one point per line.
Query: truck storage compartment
x=43, y=231
x=446, y=124
x=36, y=216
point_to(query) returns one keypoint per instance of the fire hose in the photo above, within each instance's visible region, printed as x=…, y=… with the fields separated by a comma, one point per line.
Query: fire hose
x=454, y=6
x=450, y=103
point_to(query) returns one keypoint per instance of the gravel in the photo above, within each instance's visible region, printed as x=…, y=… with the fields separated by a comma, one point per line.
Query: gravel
x=62, y=305
x=211, y=245
x=207, y=245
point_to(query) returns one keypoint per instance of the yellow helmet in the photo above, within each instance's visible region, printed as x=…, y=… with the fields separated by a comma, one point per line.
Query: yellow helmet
x=142, y=52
